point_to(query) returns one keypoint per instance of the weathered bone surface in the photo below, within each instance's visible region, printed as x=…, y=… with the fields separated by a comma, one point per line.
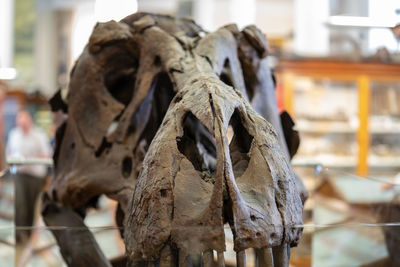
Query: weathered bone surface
x=152, y=105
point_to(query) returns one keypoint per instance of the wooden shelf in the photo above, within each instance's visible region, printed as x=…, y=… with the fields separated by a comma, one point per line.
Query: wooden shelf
x=323, y=127
x=327, y=130
x=384, y=162
x=340, y=69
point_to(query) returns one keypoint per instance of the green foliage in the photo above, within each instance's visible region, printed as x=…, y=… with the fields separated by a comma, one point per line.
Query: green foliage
x=24, y=25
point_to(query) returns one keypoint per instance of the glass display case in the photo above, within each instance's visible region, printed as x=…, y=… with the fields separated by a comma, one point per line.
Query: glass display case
x=350, y=108
x=327, y=128
x=384, y=125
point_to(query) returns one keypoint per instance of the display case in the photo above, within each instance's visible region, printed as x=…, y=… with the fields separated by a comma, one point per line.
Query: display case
x=384, y=127
x=347, y=113
x=327, y=128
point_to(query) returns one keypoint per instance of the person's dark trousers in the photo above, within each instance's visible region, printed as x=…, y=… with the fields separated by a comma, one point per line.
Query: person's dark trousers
x=27, y=190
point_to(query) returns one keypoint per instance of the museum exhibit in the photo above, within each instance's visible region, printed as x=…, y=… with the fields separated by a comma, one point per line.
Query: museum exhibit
x=200, y=133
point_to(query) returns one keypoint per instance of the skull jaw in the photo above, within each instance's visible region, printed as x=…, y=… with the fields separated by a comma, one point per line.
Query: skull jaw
x=189, y=222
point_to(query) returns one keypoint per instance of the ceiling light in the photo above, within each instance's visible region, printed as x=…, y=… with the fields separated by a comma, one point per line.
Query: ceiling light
x=353, y=21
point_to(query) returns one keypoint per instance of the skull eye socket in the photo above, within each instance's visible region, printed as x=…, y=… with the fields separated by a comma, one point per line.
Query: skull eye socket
x=120, y=74
x=197, y=144
x=120, y=85
x=240, y=145
x=126, y=167
x=225, y=75
x=148, y=118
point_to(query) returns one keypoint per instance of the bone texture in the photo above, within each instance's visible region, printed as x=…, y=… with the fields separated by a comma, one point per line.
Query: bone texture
x=181, y=127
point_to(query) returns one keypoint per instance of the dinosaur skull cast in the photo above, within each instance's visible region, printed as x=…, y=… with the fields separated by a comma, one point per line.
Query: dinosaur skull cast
x=162, y=117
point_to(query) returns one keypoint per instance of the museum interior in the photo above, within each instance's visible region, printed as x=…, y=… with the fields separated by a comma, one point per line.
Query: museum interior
x=108, y=157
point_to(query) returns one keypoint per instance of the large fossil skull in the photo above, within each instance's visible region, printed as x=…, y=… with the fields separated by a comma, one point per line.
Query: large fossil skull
x=152, y=104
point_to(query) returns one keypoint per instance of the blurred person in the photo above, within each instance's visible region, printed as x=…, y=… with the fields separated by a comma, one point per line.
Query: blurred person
x=27, y=141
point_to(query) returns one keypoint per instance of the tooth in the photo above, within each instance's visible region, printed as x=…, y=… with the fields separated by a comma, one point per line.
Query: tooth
x=281, y=255
x=208, y=258
x=167, y=262
x=194, y=260
x=184, y=259
x=265, y=257
x=167, y=258
x=221, y=261
x=241, y=259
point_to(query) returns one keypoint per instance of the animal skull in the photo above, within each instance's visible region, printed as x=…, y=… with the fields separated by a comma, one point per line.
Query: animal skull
x=150, y=102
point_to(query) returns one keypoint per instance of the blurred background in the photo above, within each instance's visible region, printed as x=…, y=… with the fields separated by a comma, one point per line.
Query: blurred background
x=337, y=65
x=336, y=62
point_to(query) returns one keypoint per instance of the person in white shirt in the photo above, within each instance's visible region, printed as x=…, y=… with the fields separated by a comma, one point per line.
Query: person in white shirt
x=27, y=141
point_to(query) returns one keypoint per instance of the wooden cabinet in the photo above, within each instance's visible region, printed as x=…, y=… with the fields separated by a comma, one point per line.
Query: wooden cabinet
x=347, y=113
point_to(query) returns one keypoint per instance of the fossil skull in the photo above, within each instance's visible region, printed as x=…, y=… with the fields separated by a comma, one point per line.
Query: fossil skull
x=151, y=104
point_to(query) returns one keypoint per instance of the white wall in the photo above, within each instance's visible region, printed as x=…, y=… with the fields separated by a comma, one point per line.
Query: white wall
x=243, y=13
x=82, y=26
x=311, y=35
x=6, y=33
x=383, y=11
x=158, y=6
x=45, y=68
x=275, y=17
x=86, y=16
x=204, y=13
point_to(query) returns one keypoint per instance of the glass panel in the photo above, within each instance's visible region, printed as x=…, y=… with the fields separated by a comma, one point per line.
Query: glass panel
x=385, y=126
x=355, y=220
x=326, y=122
